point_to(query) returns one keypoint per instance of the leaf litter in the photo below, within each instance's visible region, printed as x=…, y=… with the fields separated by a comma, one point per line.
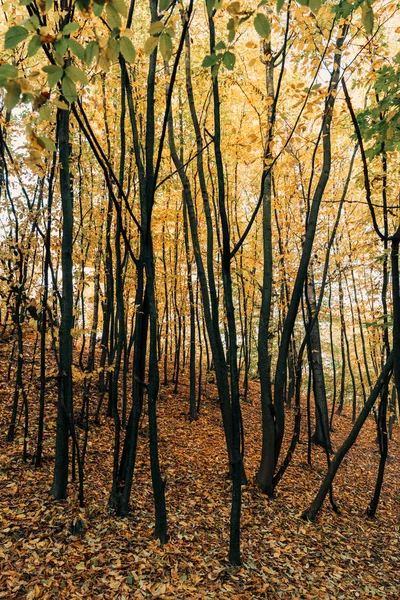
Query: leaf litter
x=45, y=555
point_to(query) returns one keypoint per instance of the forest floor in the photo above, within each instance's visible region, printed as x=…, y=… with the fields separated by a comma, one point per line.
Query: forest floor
x=342, y=556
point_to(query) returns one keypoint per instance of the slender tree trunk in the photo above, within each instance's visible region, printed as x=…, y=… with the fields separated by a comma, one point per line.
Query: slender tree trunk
x=315, y=506
x=325, y=133
x=321, y=434
x=65, y=393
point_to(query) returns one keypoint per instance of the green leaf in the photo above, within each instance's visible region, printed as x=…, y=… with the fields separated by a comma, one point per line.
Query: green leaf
x=210, y=60
x=261, y=25
x=47, y=143
x=34, y=45
x=163, y=5
x=150, y=44
x=54, y=74
x=45, y=113
x=345, y=8
x=279, y=5
x=76, y=48
x=113, y=18
x=13, y=93
x=315, y=5
x=113, y=49
x=97, y=8
x=229, y=60
x=220, y=46
x=83, y=5
x=31, y=24
x=91, y=52
x=368, y=18
x=8, y=71
x=60, y=48
x=70, y=28
x=210, y=6
x=127, y=50
x=27, y=98
x=15, y=36
x=156, y=27
x=129, y=579
x=69, y=89
x=76, y=74
x=165, y=46
x=120, y=7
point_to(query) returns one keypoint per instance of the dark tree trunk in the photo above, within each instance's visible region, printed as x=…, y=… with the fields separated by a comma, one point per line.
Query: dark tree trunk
x=65, y=394
x=315, y=506
x=321, y=434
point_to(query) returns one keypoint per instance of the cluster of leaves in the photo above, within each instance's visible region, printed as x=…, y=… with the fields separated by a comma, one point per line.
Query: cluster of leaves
x=161, y=34
x=222, y=54
x=63, y=50
x=380, y=122
x=262, y=25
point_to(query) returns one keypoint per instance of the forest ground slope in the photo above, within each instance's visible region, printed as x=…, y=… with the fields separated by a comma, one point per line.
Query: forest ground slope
x=342, y=556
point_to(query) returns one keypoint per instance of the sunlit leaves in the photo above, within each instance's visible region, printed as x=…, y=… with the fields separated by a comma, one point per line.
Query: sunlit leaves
x=98, y=8
x=70, y=28
x=166, y=46
x=91, y=52
x=76, y=48
x=54, y=74
x=163, y=5
x=44, y=113
x=231, y=26
x=14, y=36
x=8, y=71
x=210, y=60
x=76, y=74
x=119, y=6
x=13, y=93
x=68, y=88
x=380, y=122
x=159, y=34
x=368, y=18
x=45, y=6
x=156, y=28
x=229, y=60
x=345, y=8
x=32, y=24
x=234, y=8
x=150, y=44
x=48, y=144
x=127, y=49
x=113, y=17
x=315, y=5
x=34, y=44
x=262, y=25
x=60, y=48
x=279, y=5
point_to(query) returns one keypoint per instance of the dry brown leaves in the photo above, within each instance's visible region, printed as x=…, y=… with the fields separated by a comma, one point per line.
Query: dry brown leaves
x=339, y=557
